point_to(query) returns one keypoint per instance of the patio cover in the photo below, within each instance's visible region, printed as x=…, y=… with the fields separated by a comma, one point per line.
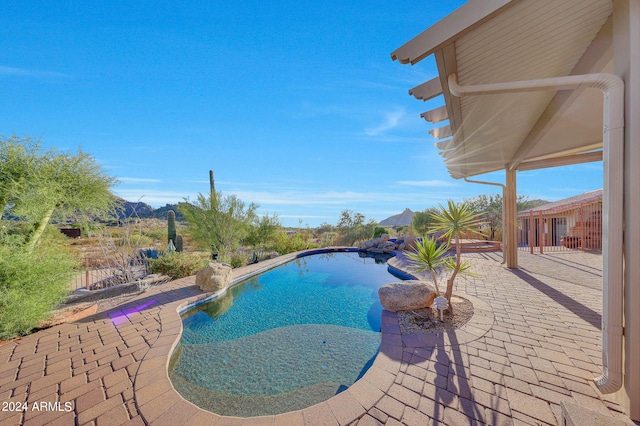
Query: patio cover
x=494, y=41
x=498, y=42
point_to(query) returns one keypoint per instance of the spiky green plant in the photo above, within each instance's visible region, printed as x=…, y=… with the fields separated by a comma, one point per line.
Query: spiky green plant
x=179, y=243
x=429, y=257
x=454, y=221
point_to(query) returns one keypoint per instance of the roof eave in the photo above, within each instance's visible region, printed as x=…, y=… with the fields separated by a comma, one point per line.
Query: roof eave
x=469, y=16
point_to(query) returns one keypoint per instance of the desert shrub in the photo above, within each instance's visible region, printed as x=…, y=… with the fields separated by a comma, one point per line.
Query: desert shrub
x=328, y=239
x=285, y=243
x=155, y=229
x=238, y=259
x=177, y=265
x=378, y=231
x=31, y=285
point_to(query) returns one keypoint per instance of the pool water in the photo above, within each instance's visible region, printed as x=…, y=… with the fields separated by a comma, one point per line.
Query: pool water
x=284, y=340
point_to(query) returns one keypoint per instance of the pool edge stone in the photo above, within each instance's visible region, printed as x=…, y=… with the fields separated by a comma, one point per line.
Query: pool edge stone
x=380, y=376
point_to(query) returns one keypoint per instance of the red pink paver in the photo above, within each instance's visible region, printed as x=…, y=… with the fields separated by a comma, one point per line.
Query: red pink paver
x=533, y=342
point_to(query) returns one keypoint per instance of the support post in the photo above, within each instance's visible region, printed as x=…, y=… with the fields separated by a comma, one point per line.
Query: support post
x=540, y=232
x=626, y=65
x=531, y=233
x=511, y=220
x=86, y=273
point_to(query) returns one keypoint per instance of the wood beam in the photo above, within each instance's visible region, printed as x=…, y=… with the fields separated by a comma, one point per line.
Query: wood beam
x=441, y=132
x=436, y=115
x=427, y=90
x=566, y=160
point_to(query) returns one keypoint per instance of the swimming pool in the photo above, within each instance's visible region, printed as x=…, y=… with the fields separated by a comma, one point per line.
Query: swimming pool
x=284, y=340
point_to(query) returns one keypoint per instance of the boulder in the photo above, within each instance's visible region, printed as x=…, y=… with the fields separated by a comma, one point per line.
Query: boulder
x=214, y=277
x=388, y=247
x=406, y=295
x=365, y=245
x=410, y=243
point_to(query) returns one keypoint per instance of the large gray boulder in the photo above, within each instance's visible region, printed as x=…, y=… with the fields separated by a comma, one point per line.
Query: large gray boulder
x=214, y=277
x=406, y=295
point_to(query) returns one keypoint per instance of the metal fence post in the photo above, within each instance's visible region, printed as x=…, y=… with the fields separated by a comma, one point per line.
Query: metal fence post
x=86, y=272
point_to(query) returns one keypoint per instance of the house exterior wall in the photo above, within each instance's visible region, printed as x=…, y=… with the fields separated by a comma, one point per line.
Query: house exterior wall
x=574, y=227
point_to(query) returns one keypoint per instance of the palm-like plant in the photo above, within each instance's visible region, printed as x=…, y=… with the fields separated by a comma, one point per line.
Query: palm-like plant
x=453, y=221
x=429, y=257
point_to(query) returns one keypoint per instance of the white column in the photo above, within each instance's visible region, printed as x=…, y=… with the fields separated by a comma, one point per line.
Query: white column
x=626, y=48
x=511, y=220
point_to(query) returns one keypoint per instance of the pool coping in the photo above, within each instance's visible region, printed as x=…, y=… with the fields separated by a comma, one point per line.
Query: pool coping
x=158, y=400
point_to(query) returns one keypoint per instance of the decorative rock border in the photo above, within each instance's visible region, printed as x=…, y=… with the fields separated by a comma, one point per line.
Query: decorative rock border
x=160, y=403
x=479, y=325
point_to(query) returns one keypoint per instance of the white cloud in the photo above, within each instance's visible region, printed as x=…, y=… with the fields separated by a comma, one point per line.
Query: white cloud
x=22, y=72
x=302, y=216
x=391, y=119
x=426, y=183
x=308, y=198
x=138, y=180
x=153, y=197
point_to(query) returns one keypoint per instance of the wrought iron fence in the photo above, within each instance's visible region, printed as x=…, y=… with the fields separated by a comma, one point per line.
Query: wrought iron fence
x=577, y=227
x=95, y=275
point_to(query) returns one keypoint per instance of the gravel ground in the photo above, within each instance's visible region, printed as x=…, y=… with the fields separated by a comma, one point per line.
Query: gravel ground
x=427, y=320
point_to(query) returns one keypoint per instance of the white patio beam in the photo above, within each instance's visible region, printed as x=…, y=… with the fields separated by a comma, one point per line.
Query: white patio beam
x=445, y=145
x=427, y=90
x=567, y=160
x=436, y=115
x=463, y=20
x=441, y=132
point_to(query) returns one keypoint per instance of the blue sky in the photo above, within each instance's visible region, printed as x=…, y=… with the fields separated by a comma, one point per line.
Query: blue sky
x=296, y=106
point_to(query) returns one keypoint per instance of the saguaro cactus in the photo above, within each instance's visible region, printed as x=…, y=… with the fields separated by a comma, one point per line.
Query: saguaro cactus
x=171, y=226
x=212, y=191
x=179, y=243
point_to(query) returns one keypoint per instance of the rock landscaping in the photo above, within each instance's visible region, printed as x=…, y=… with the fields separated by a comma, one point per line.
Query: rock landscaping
x=385, y=245
x=406, y=295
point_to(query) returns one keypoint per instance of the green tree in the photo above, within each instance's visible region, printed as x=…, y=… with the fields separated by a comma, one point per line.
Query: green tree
x=263, y=229
x=422, y=220
x=352, y=227
x=32, y=284
x=490, y=206
x=38, y=186
x=218, y=222
x=19, y=162
x=378, y=231
x=454, y=221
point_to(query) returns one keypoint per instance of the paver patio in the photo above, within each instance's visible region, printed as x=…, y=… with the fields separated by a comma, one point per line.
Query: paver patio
x=534, y=341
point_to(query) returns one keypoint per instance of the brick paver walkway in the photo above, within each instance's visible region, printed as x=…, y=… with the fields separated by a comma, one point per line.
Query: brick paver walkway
x=533, y=343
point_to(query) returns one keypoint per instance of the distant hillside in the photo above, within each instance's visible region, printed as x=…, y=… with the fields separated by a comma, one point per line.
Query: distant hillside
x=161, y=212
x=402, y=219
x=143, y=210
x=530, y=204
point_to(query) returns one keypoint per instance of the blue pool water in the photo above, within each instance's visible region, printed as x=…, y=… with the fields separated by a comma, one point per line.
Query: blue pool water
x=284, y=340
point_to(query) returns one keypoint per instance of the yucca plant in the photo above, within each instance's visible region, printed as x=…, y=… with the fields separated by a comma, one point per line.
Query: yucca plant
x=429, y=257
x=454, y=221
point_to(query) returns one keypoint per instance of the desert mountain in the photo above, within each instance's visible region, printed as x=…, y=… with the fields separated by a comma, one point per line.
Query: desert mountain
x=402, y=219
